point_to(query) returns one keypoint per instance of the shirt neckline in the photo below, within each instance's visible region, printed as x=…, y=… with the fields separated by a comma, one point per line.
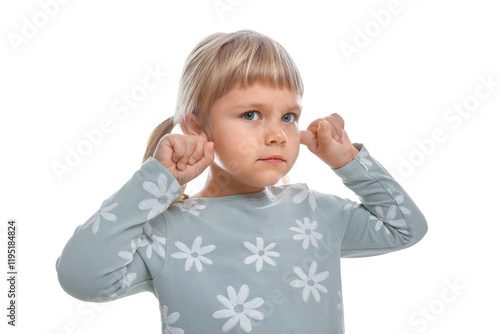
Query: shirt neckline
x=261, y=195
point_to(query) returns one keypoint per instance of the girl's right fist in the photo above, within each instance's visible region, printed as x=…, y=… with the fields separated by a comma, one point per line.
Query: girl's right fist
x=185, y=156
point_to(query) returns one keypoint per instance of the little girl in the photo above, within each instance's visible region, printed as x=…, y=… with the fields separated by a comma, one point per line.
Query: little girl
x=241, y=255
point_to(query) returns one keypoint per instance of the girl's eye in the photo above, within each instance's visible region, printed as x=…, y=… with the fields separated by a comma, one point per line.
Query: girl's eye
x=251, y=115
x=288, y=118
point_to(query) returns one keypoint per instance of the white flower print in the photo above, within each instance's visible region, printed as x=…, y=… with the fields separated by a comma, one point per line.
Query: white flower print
x=168, y=320
x=302, y=195
x=238, y=309
x=310, y=282
x=366, y=163
x=261, y=253
x=129, y=278
x=307, y=233
x=126, y=281
x=104, y=213
x=400, y=199
x=190, y=206
x=388, y=217
x=152, y=242
x=162, y=195
x=193, y=255
x=379, y=224
x=129, y=256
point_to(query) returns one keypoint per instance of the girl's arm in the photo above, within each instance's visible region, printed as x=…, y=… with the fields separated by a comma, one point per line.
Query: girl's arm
x=120, y=249
x=387, y=218
x=102, y=261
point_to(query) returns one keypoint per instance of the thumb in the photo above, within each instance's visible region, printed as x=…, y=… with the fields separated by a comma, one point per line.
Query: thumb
x=306, y=137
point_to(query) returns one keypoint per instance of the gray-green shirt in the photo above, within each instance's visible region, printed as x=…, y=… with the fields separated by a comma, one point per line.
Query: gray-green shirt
x=266, y=262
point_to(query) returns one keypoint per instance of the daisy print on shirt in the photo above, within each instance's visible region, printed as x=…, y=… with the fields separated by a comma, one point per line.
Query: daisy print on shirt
x=238, y=309
x=162, y=193
x=261, y=254
x=194, y=255
x=306, y=233
x=310, y=282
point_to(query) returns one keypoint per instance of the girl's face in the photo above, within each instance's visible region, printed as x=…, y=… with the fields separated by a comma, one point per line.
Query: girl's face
x=256, y=138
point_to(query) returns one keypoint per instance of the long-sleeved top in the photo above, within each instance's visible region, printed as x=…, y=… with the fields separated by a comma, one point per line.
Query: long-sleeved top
x=265, y=262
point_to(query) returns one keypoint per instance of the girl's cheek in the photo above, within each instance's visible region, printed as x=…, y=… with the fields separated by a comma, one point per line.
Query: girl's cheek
x=294, y=133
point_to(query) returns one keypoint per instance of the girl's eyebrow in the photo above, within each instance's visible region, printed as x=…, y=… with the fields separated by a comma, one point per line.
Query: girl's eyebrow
x=264, y=105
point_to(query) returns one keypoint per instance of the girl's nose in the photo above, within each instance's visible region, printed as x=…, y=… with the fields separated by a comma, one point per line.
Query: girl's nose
x=275, y=135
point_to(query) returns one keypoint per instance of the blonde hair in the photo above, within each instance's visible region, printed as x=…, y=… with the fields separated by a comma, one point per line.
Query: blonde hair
x=218, y=63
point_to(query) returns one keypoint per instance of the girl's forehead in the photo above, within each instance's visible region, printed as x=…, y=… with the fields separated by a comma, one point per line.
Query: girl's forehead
x=260, y=91
x=261, y=96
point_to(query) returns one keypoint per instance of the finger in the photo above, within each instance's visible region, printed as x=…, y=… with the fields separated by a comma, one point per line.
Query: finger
x=339, y=119
x=306, y=137
x=324, y=136
x=163, y=143
x=177, y=146
x=207, y=158
x=313, y=127
x=197, y=153
x=342, y=124
x=182, y=152
x=336, y=128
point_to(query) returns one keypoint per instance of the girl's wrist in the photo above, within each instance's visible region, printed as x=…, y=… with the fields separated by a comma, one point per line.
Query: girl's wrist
x=349, y=158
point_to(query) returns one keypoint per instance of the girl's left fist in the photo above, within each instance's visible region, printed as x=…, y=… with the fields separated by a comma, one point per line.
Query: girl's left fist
x=327, y=138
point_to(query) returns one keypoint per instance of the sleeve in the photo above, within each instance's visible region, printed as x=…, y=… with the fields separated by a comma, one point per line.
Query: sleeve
x=387, y=219
x=101, y=261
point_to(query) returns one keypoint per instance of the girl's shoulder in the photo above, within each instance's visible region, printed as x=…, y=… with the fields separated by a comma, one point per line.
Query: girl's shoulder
x=299, y=192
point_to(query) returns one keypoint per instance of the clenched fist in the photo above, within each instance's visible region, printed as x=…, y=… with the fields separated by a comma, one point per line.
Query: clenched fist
x=327, y=138
x=185, y=156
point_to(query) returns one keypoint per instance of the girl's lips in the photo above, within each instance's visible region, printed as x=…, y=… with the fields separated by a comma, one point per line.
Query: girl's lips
x=274, y=159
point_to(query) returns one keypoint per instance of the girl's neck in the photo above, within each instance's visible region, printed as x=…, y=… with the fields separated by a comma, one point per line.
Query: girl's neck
x=220, y=184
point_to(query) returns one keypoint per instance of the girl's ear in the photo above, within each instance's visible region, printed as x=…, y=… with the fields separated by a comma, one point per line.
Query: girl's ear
x=191, y=126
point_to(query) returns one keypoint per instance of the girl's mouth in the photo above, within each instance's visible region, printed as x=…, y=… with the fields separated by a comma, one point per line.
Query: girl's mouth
x=274, y=159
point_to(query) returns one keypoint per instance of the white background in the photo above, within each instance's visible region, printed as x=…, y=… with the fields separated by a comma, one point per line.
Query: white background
x=65, y=75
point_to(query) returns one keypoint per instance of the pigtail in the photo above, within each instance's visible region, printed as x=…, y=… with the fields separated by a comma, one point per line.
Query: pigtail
x=161, y=130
